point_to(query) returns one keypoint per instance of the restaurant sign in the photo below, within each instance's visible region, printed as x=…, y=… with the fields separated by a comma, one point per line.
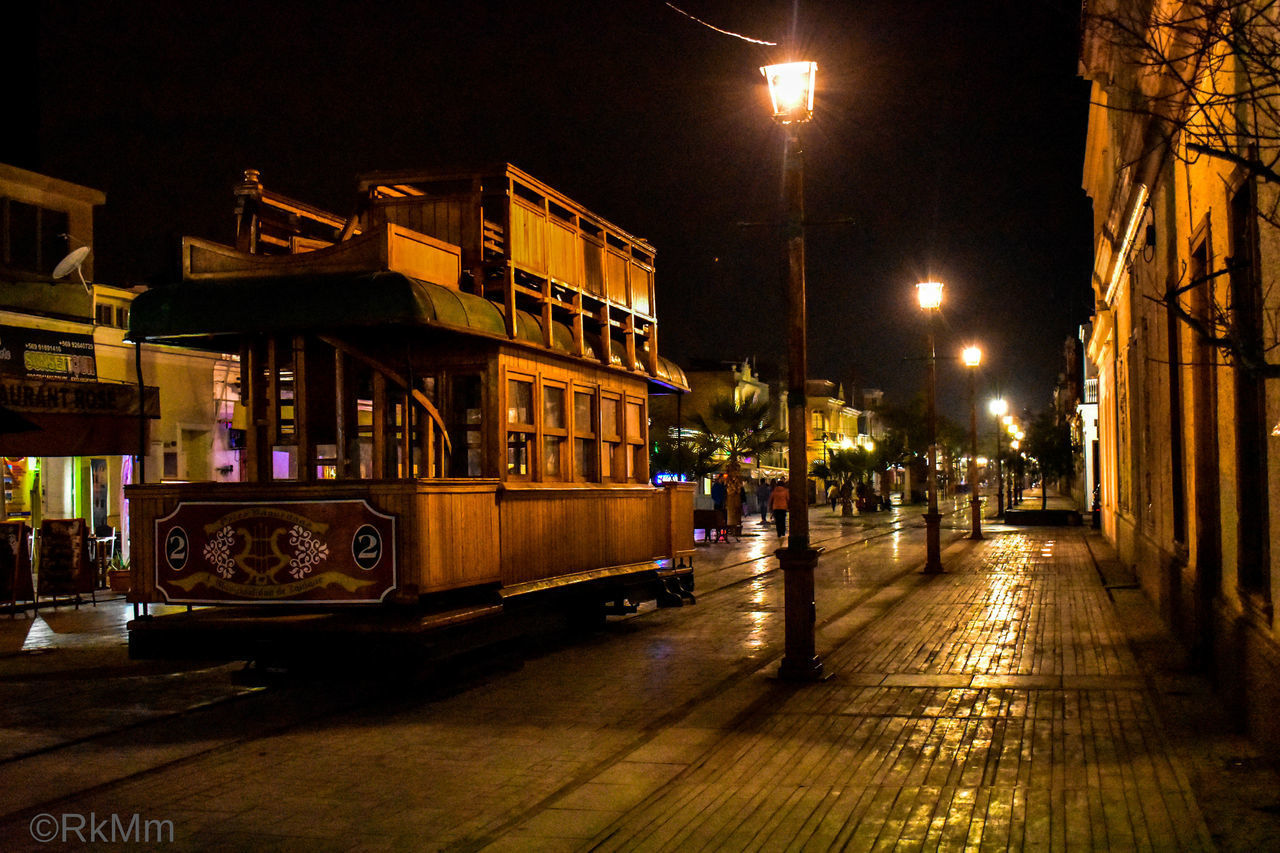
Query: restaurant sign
x=298, y=552
x=58, y=396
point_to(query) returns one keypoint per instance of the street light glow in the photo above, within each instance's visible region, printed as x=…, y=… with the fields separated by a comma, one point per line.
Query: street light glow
x=791, y=88
x=972, y=356
x=998, y=406
x=930, y=294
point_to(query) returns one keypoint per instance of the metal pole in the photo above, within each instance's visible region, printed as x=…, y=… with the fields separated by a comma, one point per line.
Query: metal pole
x=975, y=501
x=932, y=518
x=800, y=661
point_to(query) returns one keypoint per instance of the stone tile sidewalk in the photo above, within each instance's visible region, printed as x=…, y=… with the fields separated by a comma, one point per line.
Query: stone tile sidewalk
x=1025, y=700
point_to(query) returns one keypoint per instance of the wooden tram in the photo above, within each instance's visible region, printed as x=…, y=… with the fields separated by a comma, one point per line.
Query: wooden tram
x=444, y=417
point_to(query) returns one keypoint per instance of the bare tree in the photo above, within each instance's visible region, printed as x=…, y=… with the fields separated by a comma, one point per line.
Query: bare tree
x=1202, y=79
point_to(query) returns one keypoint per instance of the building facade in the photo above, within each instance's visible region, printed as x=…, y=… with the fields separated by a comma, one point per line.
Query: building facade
x=67, y=371
x=1184, y=279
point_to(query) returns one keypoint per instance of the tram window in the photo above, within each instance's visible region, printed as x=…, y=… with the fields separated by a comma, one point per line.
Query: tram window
x=519, y=401
x=554, y=431
x=634, y=412
x=637, y=468
x=518, y=454
x=611, y=467
x=475, y=453
x=585, y=453
x=553, y=450
x=520, y=426
x=552, y=407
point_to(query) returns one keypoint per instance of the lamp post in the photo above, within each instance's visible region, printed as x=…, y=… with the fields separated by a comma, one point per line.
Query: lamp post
x=972, y=357
x=998, y=407
x=930, y=294
x=791, y=88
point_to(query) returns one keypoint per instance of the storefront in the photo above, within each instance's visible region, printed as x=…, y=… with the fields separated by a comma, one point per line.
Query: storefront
x=67, y=439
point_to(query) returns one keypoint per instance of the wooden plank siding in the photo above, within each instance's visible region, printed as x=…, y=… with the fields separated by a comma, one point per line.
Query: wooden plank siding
x=459, y=533
x=549, y=531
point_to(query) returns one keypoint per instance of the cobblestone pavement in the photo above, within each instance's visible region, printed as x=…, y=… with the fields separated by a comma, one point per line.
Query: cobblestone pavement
x=1024, y=700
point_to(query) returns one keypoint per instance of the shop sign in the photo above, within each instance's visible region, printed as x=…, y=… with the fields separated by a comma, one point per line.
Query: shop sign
x=296, y=552
x=41, y=352
x=54, y=396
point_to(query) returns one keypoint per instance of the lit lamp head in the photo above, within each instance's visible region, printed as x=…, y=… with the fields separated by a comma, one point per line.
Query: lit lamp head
x=998, y=407
x=791, y=86
x=930, y=295
x=972, y=356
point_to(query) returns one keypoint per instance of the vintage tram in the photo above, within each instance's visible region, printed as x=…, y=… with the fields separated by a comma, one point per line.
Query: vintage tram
x=444, y=407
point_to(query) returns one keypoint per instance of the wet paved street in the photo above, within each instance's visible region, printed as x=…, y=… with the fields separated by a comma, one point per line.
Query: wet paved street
x=1024, y=700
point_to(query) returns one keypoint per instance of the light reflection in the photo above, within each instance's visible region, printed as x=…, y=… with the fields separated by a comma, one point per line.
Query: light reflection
x=1006, y=605
x=758, y=614
x=39, y=635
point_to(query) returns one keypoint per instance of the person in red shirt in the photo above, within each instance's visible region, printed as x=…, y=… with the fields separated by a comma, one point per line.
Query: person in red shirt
x=780, y=502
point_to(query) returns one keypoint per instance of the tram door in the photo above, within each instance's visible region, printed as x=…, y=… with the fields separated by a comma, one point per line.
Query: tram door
x=466, y=425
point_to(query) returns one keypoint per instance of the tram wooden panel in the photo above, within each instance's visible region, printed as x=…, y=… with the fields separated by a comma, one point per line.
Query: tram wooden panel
x=549, y=531
x=458, y=533
x=447, y=529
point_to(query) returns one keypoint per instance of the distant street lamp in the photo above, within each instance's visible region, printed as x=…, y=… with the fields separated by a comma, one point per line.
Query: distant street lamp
x=972, y=357
x=998, y=407
x=930, y=294
x=791, y=89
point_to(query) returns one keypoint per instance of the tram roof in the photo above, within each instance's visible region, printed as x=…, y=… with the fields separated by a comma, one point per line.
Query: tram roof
x=214, y=314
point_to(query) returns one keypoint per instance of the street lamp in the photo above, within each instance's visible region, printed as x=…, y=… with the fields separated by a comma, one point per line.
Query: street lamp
x=998, y=407
x=791, y=88
x=972, y=357
x=930, y=294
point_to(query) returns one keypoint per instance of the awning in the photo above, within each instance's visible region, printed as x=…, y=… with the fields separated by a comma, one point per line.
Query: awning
x=77, y=435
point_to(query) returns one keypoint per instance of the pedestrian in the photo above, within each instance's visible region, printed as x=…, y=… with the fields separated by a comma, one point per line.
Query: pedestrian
x=719, y=493
x=833, y=495
x=780, y=502
x=763, y=490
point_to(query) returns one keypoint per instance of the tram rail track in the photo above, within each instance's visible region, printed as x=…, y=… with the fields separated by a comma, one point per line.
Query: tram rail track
x=129, y=752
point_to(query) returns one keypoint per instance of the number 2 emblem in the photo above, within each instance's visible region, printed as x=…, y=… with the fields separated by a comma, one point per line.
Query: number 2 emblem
x=366, y=547
x=176, y=548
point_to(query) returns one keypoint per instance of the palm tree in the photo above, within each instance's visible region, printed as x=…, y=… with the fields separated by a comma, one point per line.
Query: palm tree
x=738, y=430
x=689, y=456
x=846, y=466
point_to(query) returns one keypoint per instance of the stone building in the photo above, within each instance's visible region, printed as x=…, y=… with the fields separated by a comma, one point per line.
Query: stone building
x=1181, y=135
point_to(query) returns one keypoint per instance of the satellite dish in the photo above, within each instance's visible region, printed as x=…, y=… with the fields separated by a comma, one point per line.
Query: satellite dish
x=73, y=262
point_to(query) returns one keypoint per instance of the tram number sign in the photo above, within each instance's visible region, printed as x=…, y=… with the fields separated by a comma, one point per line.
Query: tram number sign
x=305, y=552
x=176, y=548
x=366, y=547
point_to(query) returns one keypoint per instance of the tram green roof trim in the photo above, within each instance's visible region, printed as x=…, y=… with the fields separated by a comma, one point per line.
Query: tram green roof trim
x=228, y=307
x=216, y=309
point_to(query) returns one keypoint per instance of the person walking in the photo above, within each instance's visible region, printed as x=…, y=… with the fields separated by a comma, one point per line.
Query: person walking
x=719, y=493
x=833, y=495
x=780, y=502
x=763, y=491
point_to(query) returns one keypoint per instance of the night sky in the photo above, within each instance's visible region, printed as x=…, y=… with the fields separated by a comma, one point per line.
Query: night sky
x=947, y=143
